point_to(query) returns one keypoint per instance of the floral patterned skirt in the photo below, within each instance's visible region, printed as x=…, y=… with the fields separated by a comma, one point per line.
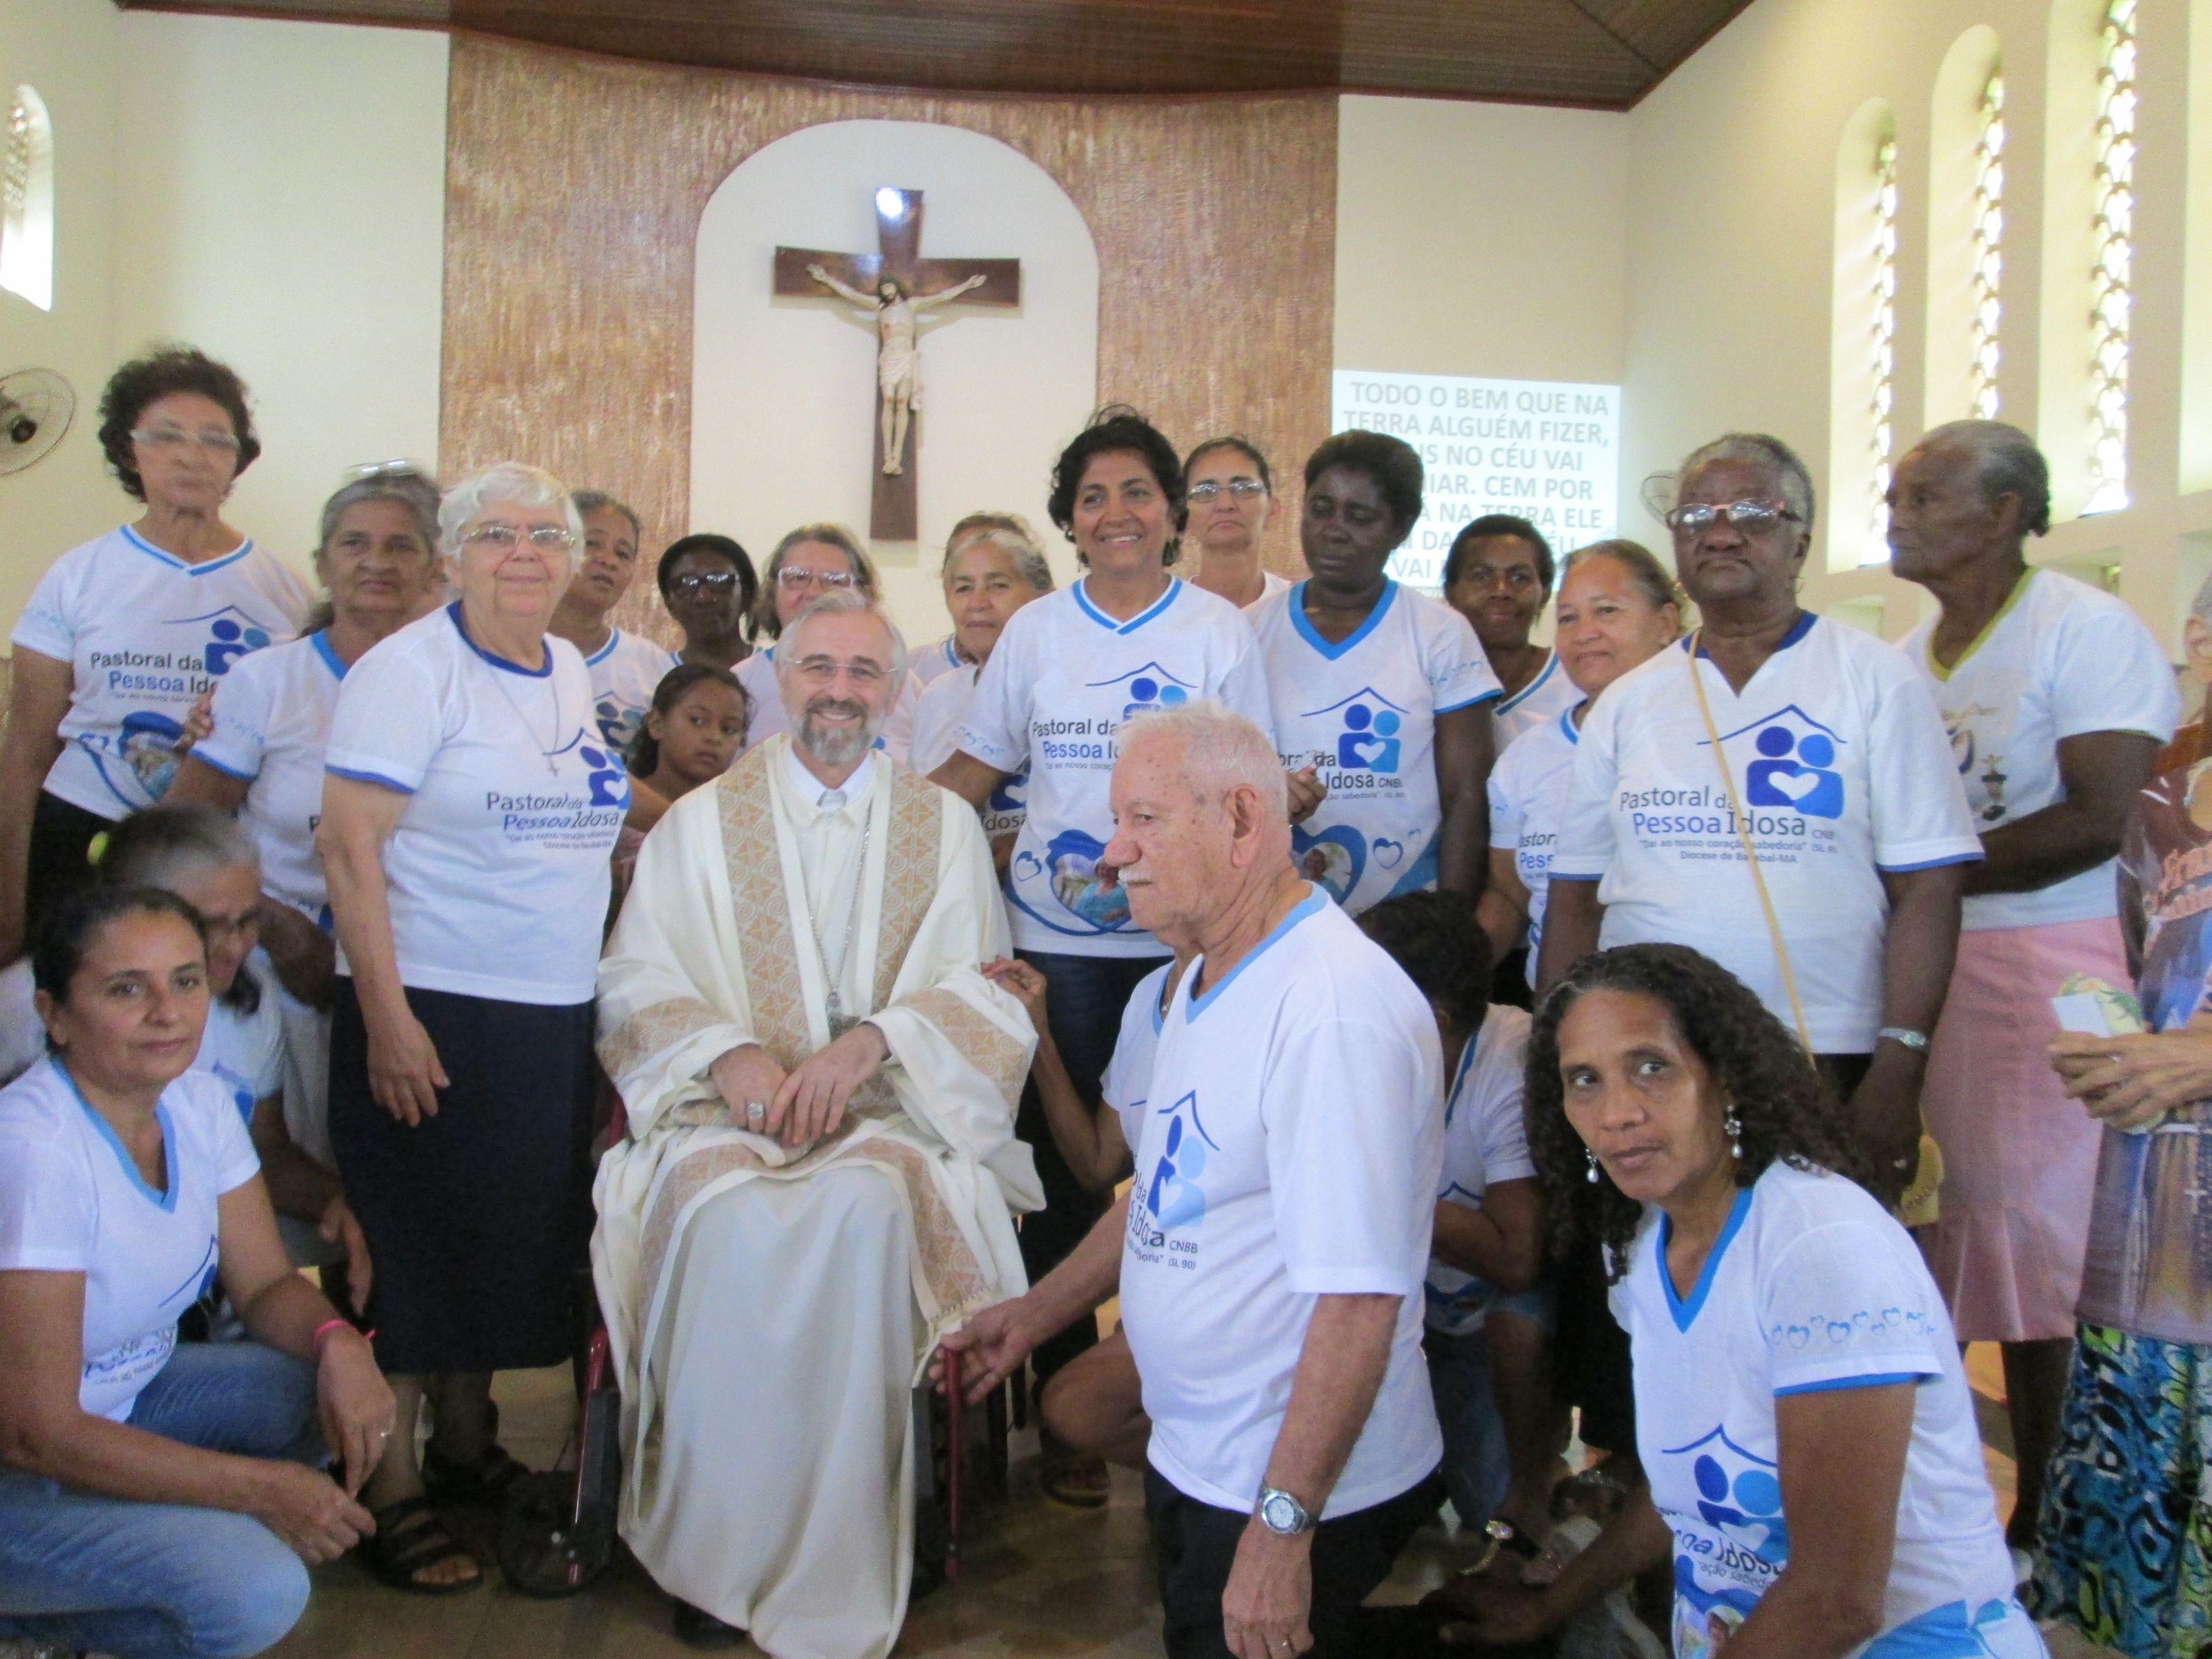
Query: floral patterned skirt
x=2126, y=1550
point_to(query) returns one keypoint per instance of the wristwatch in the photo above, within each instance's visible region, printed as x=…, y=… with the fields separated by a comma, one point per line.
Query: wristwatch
x=1282, y=1514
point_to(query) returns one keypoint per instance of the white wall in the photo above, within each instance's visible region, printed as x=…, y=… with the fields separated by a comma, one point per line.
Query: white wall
x=1480, y=239
x=68, y=50
x=283, y=195
x=1730, y=253
x=794, y=379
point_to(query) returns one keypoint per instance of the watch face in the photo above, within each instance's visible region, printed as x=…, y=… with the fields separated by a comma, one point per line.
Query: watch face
x=1280, y=1513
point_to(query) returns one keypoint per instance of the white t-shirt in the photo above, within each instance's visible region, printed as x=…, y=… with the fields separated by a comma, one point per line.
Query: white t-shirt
x=146, y=634
x=2062, y=659
x=243, y=1052
x=272, y=723
x=1270, y=585
x=498, y=872
x=71, y=1200
x=1839, y=758
x=1547, y=697
x=927, y=662
x=1363, y=713
x=1062, y=679
x=1811, y=1286
x=1485, y=1142
x=1529, y=790
x=625, y=673
x=1128, y=1083
x=1290, y=1146
x=938, y=714
x=757, y=673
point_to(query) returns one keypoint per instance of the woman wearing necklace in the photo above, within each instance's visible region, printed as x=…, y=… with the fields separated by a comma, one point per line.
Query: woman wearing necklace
x=469, y=807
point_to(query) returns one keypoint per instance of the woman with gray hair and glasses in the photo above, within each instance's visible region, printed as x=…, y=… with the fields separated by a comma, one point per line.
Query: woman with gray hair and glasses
x=1779, y=794
x=469, y=808
x=123, y=635
x=993, y=568
x=809, y=562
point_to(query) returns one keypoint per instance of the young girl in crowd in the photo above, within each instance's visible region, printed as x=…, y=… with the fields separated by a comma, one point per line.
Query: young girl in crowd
x=695, y=729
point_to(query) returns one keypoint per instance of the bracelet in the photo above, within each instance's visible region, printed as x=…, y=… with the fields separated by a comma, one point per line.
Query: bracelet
x=324, y=1330
x=1905, y=1037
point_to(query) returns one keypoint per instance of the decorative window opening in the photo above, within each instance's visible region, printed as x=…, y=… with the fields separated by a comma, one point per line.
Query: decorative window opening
x=1988, y=271
x=1881, y=349
x=26, y=201
x=2112, y=273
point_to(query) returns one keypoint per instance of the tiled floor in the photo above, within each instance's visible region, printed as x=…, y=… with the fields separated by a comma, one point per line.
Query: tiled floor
x=1040, y=1580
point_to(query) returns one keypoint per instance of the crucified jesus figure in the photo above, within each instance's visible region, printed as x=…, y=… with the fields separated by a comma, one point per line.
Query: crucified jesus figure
x=898, y=369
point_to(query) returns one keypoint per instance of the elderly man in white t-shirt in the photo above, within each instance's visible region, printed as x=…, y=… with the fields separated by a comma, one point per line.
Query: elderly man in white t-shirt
x=1270, y=1252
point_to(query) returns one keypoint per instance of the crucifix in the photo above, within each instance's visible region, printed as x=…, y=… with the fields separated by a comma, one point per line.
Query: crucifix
x=894, y=285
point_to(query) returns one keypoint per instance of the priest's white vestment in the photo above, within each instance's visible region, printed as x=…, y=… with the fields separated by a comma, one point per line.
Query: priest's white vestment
x=772, y=1309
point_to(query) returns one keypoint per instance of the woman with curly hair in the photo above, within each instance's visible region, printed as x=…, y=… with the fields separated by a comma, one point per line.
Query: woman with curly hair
x=123, y=635
x=1806, y=1430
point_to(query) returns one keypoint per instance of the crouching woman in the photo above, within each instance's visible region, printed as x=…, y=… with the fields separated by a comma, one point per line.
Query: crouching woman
x=157, y=1499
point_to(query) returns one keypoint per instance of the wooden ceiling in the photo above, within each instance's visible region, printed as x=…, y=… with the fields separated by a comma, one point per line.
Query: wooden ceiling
x=1597, y=54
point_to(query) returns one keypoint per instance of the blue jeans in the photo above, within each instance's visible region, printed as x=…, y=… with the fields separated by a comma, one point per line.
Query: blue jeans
x=1084, y=999
x=1476, y=1467
x=166, y=1580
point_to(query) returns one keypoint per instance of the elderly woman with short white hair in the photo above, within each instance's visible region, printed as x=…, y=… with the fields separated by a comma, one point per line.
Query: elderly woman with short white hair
x=469, y=808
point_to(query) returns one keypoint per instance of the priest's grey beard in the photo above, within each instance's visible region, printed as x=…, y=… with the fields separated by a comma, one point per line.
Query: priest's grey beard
x=837, y=748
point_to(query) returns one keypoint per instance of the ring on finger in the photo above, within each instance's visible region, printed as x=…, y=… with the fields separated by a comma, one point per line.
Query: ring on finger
x=755, y=1112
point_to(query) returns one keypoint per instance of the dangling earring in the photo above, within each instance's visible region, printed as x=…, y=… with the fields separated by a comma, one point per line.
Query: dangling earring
x=1732, y=1127
x=1592, y=1157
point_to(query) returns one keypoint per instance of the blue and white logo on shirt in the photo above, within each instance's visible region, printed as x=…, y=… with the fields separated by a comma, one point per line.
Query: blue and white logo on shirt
x=1368, y=740
x=1174, y=1197
x=232, y=633
x=1788, y=760
x=1150, y=690
x=1717, y=1586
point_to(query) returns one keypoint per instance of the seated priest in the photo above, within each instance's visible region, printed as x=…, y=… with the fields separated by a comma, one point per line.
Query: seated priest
x=821, y=1168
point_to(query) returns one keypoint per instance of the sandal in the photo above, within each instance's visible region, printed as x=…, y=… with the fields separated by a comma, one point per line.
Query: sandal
x=397, y=1551
x=1070, y=1478
x=481, y=1484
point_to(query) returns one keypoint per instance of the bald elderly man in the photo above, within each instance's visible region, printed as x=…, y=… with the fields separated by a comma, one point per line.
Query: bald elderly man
x=1270, y=1253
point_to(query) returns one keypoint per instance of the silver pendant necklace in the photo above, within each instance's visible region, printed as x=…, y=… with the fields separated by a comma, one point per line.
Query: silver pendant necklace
x=544, y=749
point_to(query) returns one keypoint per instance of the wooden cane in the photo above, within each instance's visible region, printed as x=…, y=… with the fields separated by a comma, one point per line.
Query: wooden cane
x=955, y=1405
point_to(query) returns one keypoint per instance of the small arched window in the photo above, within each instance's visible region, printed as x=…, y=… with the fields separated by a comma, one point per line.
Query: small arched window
x=1863, y=386
x=1988, y=245
x=26, y=201
x=2112, y=273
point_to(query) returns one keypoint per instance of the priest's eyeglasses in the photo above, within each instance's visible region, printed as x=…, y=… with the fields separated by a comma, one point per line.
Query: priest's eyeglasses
x=1244, y=489
x=823, y=670
x=505, y=537
x=173, y=440
x=1750, y=516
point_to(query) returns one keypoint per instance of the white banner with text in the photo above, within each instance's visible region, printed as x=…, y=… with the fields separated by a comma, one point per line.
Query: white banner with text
x=1546, y=451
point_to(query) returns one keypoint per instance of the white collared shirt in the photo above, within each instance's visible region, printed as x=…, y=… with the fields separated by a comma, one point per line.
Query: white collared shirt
x=832, y=841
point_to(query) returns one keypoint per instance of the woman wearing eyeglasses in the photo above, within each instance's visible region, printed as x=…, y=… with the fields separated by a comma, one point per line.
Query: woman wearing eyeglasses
x=123, y=635
x=706, y=581
x=1231, y=494
x=469, y=807
x=1819, y=858
x=811, y=561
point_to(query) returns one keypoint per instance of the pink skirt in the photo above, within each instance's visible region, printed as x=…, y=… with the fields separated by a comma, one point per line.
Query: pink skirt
x=2019, y=1158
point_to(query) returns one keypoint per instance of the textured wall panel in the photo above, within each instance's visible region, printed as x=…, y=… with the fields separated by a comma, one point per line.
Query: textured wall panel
x=574, y=187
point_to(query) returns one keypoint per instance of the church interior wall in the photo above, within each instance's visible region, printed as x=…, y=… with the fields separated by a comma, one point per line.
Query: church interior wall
x=1731, y=244
x=465, y=250
x=67, y=50
x=576, y=186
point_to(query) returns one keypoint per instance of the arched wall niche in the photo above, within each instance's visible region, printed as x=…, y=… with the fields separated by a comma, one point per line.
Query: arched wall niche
x=1959, y=202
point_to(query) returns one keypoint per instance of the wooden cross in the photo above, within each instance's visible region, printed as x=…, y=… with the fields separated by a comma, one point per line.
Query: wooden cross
x=859, y=278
